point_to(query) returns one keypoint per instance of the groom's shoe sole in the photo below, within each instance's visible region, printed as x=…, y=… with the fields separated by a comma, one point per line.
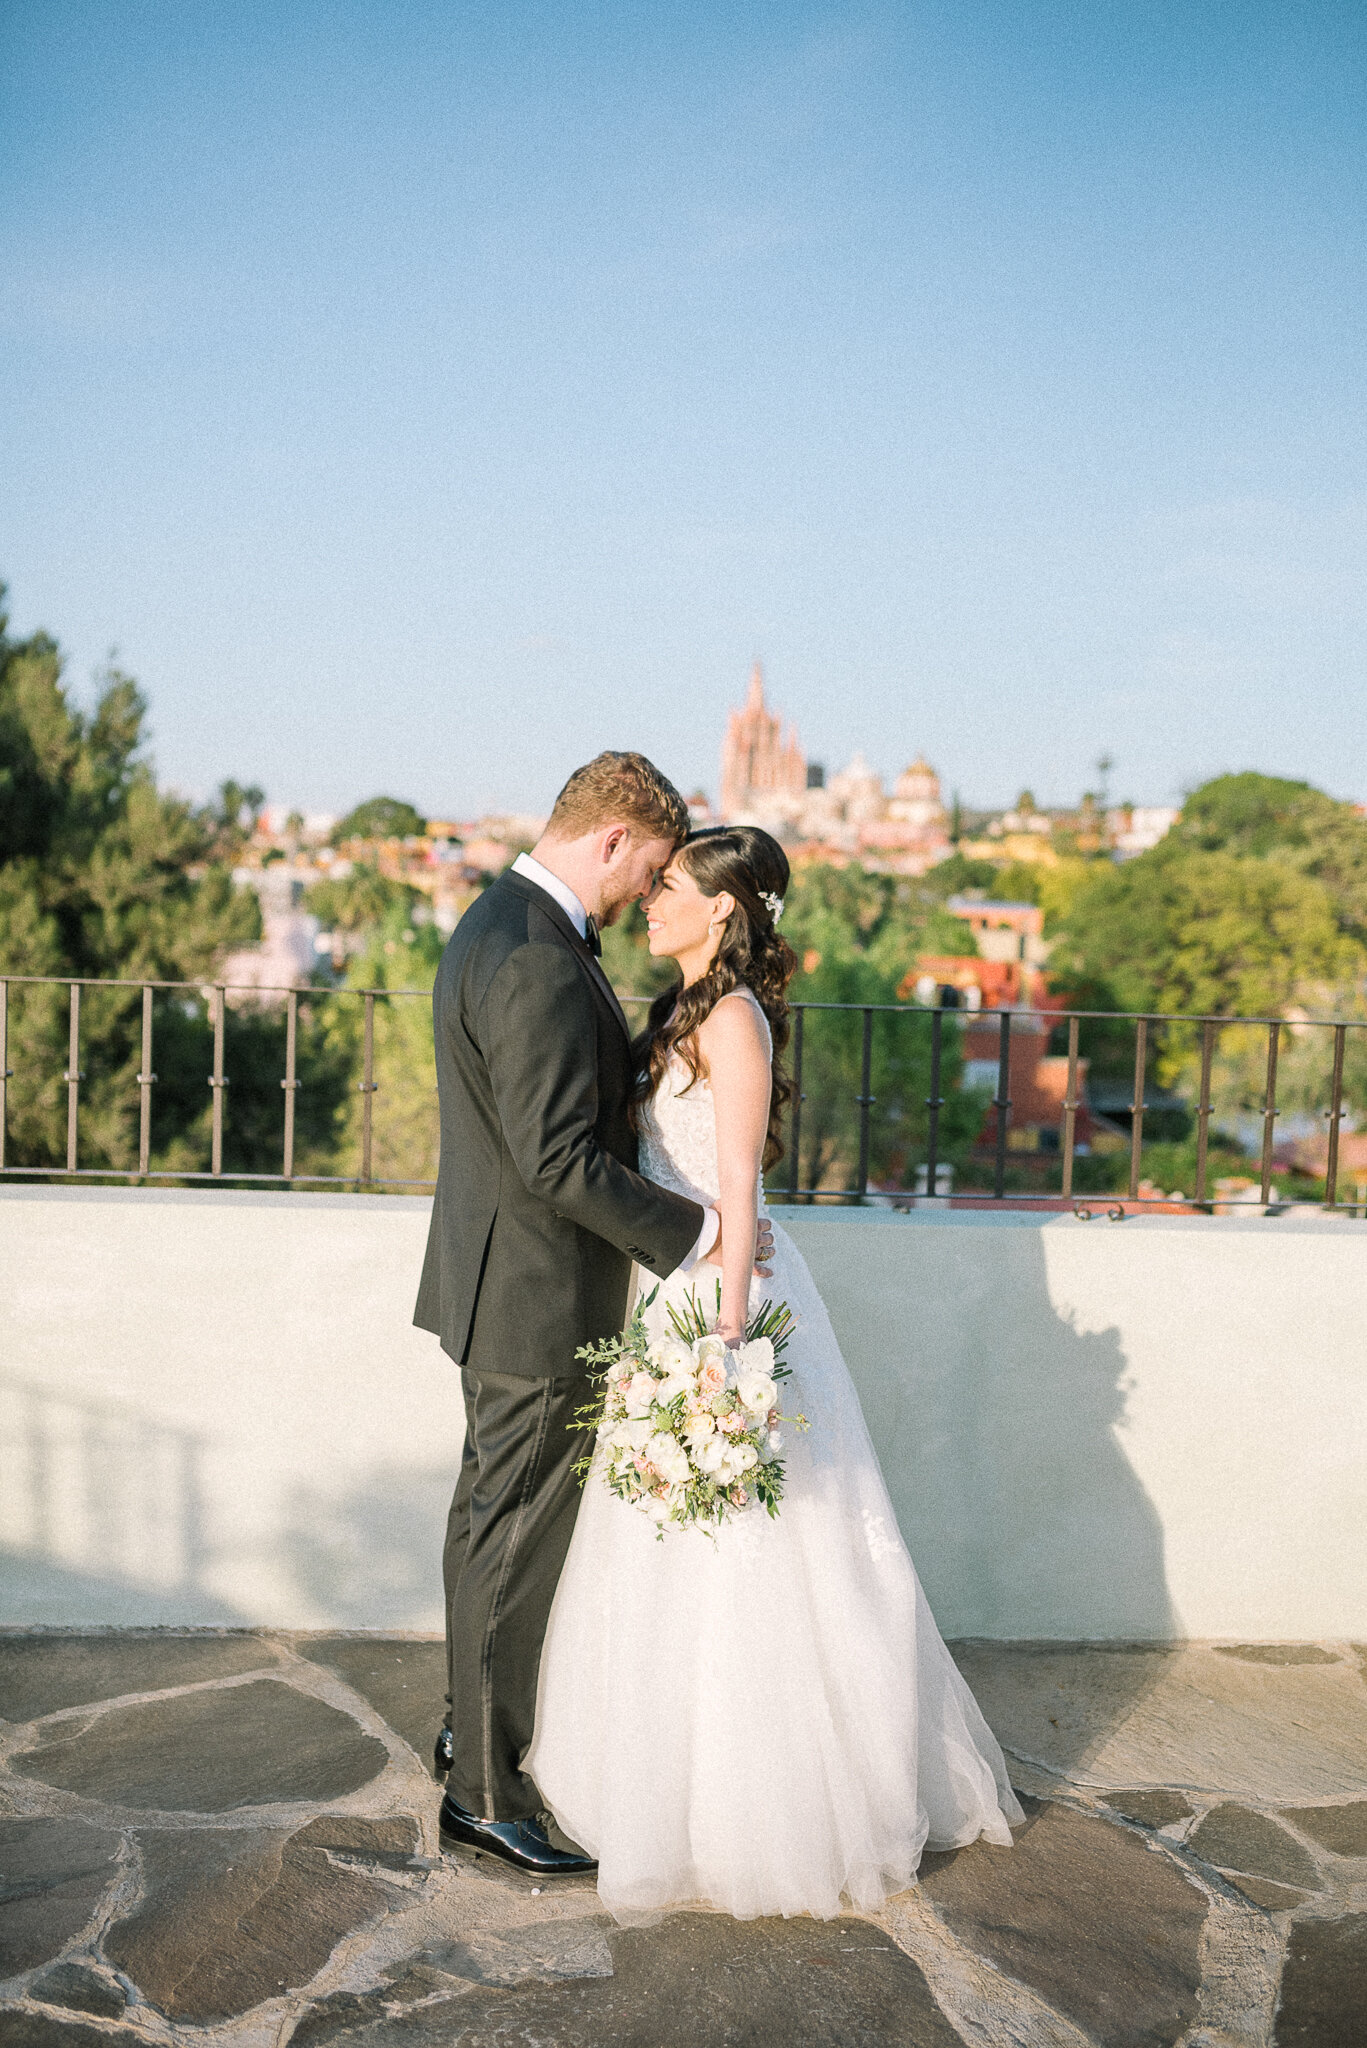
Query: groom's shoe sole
x=523, y=1843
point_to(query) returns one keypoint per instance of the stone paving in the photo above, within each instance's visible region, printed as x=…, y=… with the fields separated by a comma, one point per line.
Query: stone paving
x=229, y=1838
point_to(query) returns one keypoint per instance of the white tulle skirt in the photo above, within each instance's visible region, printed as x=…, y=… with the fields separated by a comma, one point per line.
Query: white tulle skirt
x=767, y=1721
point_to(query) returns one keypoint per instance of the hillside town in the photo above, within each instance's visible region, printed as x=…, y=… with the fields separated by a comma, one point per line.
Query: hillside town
x=764, y=778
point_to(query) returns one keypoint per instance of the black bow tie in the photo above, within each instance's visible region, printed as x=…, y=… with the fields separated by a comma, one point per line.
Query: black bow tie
x=591, y=938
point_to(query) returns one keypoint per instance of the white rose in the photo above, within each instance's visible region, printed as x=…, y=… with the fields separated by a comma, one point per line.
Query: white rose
x=709, y=1348
x=757, y=1391
x=668, y=1457
x=756, y=1356
x=679, y=1470
x=699, y=1425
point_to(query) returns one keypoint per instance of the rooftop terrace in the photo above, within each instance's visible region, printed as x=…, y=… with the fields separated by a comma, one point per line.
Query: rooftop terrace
x=228, y=1837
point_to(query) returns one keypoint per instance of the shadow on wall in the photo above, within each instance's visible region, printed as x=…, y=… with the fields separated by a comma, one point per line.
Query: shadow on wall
x=1002, y=1442
x=101, y=1514
x=371, y=1558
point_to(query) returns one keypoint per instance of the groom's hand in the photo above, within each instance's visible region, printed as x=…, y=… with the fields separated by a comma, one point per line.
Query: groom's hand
x=764, y=1247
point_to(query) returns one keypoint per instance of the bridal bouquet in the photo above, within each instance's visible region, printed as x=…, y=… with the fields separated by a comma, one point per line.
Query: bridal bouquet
x=686, y=1428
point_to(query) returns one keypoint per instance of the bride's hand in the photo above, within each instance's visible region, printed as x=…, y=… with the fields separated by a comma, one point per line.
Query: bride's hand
x=731, y=1335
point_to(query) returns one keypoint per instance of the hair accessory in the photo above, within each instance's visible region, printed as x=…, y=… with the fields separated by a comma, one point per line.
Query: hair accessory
x=773, y=904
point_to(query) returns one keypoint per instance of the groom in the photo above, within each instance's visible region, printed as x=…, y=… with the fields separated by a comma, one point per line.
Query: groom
x=538, y=1216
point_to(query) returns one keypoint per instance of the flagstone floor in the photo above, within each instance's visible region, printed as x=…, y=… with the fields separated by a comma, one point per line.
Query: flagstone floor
x=229, y=1838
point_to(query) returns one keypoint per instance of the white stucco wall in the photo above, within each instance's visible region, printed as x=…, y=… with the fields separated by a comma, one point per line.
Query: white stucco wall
x=214, y=1408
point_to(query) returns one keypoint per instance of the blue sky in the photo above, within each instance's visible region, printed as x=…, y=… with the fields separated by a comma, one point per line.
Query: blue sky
x=420, y=397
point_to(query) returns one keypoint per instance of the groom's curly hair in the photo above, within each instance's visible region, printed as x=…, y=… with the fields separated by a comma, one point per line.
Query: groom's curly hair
x=619, y=788
x=748, y=864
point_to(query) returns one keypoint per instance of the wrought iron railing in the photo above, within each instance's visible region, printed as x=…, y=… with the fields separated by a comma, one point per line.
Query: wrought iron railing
x=1202, y=1034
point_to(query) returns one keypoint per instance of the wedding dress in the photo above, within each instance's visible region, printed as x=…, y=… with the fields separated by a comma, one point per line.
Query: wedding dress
x=765, y=1720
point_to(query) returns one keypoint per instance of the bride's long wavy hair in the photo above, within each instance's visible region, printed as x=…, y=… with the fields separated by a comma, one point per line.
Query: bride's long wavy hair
x=746, y=863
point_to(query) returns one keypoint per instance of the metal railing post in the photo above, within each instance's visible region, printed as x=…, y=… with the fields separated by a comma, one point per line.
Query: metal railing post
x=1274, y=1033
x=217, y=1080
x=5, y=1069
x=73, y=1075
x=145, y=1080
x=1002, y=1104
x=290, y=1084
x=1331, y=1167
x=1141, y=1057
x=1070, y=1109
x=1203, y=1107
x=795, y=1169
x=368, y=1085
x=934, y=1103
x=865, y=1101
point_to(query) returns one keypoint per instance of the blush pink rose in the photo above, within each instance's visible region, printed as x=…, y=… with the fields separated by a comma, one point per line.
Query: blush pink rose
x=712, y=1376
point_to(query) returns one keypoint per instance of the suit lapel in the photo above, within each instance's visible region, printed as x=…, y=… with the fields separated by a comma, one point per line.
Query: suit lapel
x=523, y=887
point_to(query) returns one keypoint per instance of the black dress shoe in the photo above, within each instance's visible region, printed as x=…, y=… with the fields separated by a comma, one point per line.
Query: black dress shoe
x=524, y=1843
x=444, y=1754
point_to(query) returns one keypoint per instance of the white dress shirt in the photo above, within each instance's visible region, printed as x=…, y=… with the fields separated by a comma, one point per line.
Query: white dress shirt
x=561, y=893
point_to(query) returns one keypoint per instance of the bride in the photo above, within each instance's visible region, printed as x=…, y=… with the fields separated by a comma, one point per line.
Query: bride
x=765, y=1720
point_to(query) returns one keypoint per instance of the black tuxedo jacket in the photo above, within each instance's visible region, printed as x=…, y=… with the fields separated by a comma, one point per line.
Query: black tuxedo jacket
x=539, y=1209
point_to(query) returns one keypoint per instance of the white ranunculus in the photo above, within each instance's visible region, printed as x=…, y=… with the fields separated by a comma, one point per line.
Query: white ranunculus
x=632, y=1436
x=756, y=1356
x=668, y=1355
x=672, y=1386
x=658, y=1510
x=712, y=1455
x=639, y=1392
x=746, y=1455
x=757, y=1391
x=708, y=1348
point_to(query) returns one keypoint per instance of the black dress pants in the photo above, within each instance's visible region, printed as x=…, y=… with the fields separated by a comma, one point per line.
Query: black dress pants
x=506, y=1538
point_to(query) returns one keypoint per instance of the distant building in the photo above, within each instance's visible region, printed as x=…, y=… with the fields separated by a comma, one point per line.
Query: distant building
x=1003, y=931
x=286, y=954
x=766, y=780
x=763, y=770
x=913, y=826
x=1134, y=828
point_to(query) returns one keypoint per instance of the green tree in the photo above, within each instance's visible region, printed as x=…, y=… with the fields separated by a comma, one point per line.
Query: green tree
x=1214, y=933
x=362, y=901
x=1255, y=904
x=101, y=875
x=379, y=817
x=399, y=963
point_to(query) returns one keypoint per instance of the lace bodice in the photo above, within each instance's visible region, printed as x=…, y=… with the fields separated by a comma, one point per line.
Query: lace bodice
x=678, y=1146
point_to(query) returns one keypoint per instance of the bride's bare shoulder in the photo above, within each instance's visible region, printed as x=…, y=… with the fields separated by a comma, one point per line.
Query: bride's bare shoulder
x=735, y=1032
